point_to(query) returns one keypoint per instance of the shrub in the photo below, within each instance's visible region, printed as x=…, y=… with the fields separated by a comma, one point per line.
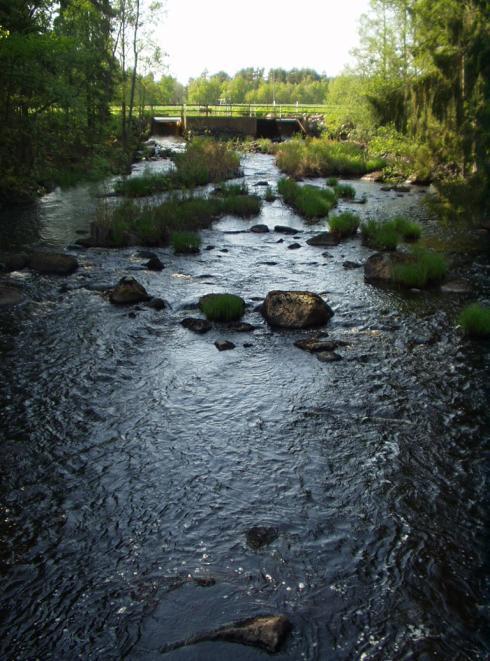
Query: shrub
x=185, y=242
x=309, y=201
x=427, y=268
x=345, y=191
x=408, y=230
x=222, y=307
x=379, y=235
x=344, y=224
x=475, y=320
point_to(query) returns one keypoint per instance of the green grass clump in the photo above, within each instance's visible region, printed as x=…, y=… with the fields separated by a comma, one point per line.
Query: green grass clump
x=344, y=224
x=185, y=242
x=379, y=235
x=407, y=229
x=269, y=195
x=345, y=191
x=426, y=268
x=332, y=181
x=317, y=157
x=205, y=161
x=243, y=206
x=231, y=190
x=475, y=320
x=309, y=201
x=222, y=307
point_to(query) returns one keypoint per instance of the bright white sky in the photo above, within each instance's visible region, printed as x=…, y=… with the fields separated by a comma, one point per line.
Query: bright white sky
x=228, y=35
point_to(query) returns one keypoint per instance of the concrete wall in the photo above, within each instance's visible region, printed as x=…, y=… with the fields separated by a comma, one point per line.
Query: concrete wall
x=243, y=126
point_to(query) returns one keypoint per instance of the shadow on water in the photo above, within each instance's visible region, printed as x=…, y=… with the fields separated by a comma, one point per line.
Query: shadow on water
x=134, y=456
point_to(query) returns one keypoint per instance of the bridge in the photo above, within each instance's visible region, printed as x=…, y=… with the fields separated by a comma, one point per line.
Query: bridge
x=243, y=120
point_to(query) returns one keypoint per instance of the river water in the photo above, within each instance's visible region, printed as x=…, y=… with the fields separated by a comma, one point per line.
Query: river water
x=135, y=456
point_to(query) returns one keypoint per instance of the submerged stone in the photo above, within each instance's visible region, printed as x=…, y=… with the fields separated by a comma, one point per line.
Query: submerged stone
x=196, y=325
x=259, y=229
x=10, y=295
x=154, y=264
x=224, y=345
x=324, y=239
x=294, y=246
x=285, y=229
x=10, y=261
x=315, y=345
x=328, y=357
x=259, y=536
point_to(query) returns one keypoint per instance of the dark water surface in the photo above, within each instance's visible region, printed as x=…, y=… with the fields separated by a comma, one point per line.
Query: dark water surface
x=134, y=455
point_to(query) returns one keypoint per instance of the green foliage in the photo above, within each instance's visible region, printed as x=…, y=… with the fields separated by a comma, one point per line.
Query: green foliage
x=231, y=190
x=309, y=201
x=344, y=191
x=332, y=181
x=269, y=195
x=243, y=206
x=408, y=229
x=130, y=223
x=380, y=235
x=316, y=157
x=148, y=183
x=404, y=156
x=385, y=235
x=206, y=161
x=185, y=242
x=344, y=224
x=475, y=320
x=427, y=268
x=222, y=307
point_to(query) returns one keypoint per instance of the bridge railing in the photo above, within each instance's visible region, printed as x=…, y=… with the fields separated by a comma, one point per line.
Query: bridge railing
x=282, y=110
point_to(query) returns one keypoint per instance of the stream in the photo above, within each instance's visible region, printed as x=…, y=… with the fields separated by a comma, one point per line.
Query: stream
x=134, y=456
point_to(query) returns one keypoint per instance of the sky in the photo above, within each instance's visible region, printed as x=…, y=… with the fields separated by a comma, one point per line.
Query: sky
x=226, y=35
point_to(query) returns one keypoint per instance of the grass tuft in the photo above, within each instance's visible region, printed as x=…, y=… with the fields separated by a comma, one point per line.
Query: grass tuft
x=185, y=242
x=344, y=224
x=317, y=157
x=222, y=307
x=379, y=235
x=427, y=268
x=475, y=320
x=345, y=191
x=408, y=230
x=309, y=201
x=332, y=181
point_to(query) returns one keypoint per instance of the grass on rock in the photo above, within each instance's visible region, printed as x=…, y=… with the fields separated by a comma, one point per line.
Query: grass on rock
x=427, y=268
x=309, y=201
x=344, y=224
x=379, y=235
x=222, y=307
x=475, y=320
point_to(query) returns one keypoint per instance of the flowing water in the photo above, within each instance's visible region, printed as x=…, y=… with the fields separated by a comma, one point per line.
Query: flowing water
x=135, y=456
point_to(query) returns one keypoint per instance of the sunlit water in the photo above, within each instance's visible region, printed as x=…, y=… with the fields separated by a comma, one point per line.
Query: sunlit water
x=135, y=455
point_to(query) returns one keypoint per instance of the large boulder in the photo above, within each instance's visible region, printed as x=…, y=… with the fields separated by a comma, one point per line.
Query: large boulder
x=379, y=267
x=51, y=263
x=128, y=291
x=13, y=261
x=295, y=309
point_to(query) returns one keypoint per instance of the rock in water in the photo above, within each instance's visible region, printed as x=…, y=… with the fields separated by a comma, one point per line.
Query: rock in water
x=315, y=344
x=379, y=267
x=200, y=326
x=154, y=264
x=324, y=239
x=259, y=536
x=224, y=345
x=267, y=632
x=285, y=229
x=294, y=246
x=259, y=229
x=50, y=263
x=328, y=356
x=295, y=309
x=128, y=291
x=10, y=261
x=10, y=295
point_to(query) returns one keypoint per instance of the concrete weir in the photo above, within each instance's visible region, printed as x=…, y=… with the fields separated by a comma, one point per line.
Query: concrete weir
x=232, y=126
